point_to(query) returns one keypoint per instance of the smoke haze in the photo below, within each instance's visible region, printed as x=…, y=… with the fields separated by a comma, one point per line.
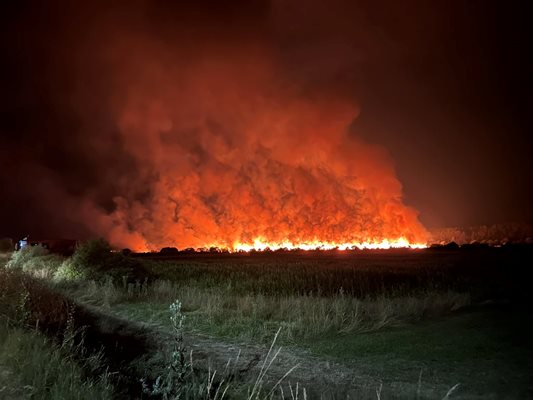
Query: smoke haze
x=155, y=123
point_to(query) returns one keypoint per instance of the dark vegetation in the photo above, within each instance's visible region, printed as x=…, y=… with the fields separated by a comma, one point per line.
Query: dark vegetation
x=94, y=260
x=497, y=234
x=42, y=351
x=485, y=272
x=461, y=306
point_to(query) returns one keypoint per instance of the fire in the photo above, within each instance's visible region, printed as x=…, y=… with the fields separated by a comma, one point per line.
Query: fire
x=228, y=151
x=261, y=245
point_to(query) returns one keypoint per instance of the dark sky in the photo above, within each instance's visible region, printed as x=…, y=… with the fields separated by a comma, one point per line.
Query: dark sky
x=444, y=86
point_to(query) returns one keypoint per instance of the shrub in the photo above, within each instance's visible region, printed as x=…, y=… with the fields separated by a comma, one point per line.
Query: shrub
x=35, y=260
x=95, y=260
x=169, y=250
x=26, y=255
x=68, y=271
x=92, y=256
x=27, y=302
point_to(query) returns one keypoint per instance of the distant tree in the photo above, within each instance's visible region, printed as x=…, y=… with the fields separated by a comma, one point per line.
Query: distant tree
x=451, y=246
x=95, y=260
x=169, y=250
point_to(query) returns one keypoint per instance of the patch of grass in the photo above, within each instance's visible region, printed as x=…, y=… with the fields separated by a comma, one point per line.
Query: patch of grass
x=491, y=273
x=20, y=258
x=488, y=352
x=27, y=302
x=31, y=367
x=257, y=317
x=35, y=260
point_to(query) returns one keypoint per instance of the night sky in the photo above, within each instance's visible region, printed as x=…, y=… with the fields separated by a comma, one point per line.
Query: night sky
x=443, y=86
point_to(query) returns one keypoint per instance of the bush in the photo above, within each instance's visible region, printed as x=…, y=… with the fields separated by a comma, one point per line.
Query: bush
x=92, y=256
x=68, y=271
x=26, y=255
x=94, y=260
x=169, y=250
x=35, y=260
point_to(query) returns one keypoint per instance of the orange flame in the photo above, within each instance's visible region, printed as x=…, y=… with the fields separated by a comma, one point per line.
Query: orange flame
x=261, y=245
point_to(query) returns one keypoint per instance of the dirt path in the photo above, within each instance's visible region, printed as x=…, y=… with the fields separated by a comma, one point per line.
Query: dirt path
x=313, y=373
x=322, y=378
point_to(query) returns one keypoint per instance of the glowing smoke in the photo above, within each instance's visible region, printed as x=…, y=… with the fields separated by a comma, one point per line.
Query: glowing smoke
x=232, y=154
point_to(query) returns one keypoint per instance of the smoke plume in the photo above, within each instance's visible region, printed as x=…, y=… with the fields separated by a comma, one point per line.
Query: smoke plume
x=216, y=133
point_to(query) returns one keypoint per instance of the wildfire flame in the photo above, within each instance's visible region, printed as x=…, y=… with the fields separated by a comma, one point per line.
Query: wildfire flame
x=261, y=245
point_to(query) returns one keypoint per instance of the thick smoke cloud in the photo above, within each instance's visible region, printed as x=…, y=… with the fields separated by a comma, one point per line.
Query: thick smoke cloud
x=198, y=130
x=230, y=153
x=229, y=147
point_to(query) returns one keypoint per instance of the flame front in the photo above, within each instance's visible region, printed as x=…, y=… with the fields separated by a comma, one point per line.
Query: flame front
x=262, y=245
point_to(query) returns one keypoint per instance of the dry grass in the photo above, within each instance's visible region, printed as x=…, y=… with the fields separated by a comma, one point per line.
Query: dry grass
x=26, y=301
x=35, y=368
x=307, y=316
x=302, y=316
x=216, y=303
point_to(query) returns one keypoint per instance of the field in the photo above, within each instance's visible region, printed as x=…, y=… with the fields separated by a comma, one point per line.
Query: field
x=365, y=324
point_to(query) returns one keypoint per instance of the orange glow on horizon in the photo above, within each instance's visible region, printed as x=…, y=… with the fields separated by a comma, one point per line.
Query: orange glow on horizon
x=261, y=245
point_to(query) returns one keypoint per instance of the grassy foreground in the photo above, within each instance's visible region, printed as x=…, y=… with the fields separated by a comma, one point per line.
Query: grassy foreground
x=32, y=367
x=411, y=324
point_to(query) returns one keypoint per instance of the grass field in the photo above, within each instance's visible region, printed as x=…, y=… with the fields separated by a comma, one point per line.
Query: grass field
x=33, y=367
x=409, y=324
